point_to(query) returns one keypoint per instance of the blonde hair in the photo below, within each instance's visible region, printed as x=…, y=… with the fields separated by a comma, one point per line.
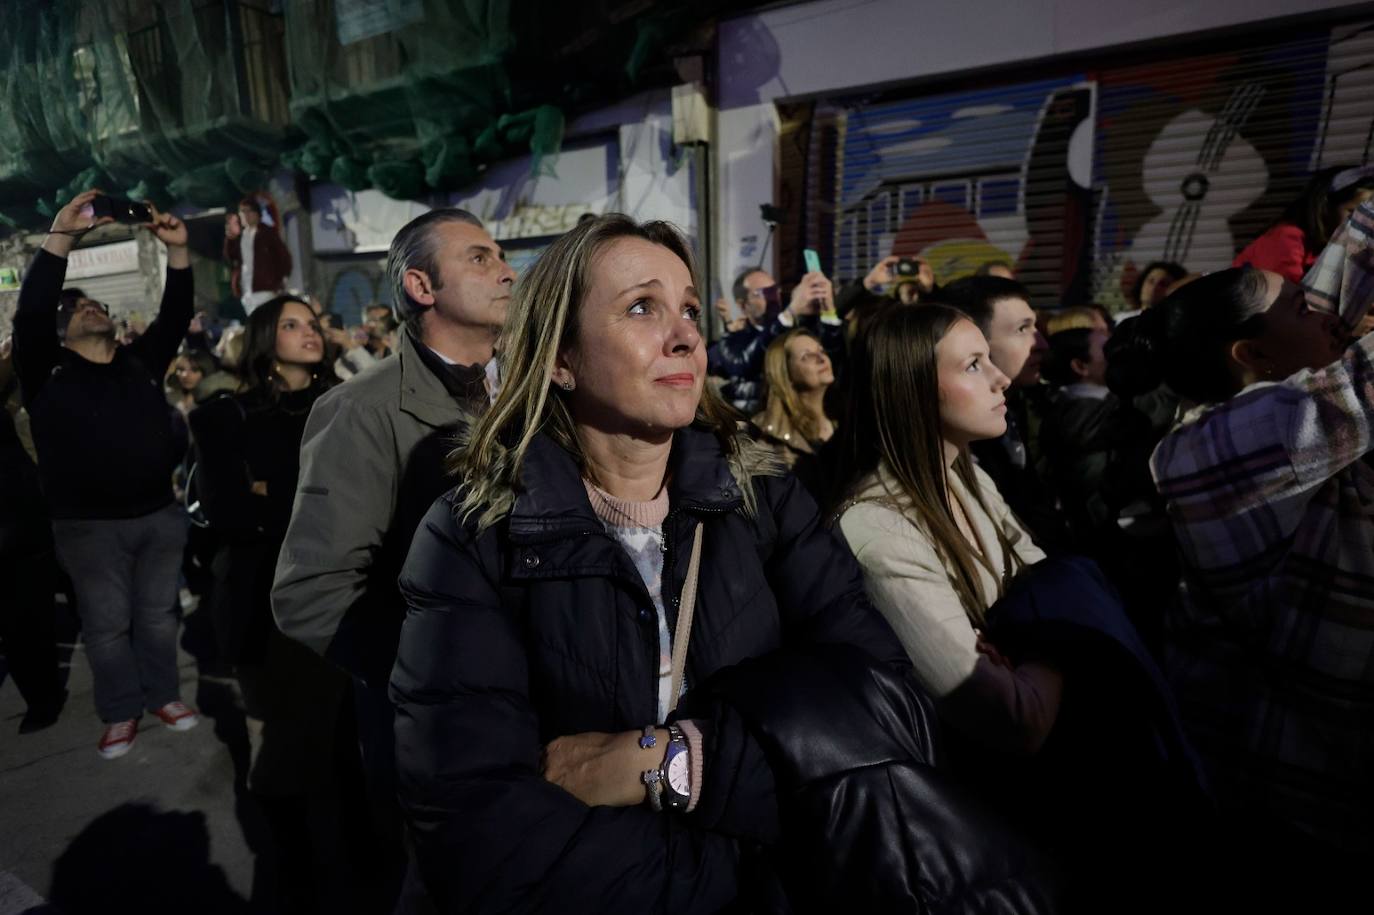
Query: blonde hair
x=231, y=348
x=542, y=321
x=784, y=413
x=1071, y=319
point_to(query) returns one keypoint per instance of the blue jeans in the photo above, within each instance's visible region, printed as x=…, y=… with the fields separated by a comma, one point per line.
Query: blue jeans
x=124, y=572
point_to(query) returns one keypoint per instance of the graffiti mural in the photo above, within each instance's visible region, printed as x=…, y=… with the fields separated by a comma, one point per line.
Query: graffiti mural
x=969, y=177
x=350, y=284
x=1081, y=181
x=1195, y=157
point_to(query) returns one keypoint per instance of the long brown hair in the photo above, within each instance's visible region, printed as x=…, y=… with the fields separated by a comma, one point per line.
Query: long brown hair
x=541, y=321
x=783, y=412
x=893, y=419
x=258, y=363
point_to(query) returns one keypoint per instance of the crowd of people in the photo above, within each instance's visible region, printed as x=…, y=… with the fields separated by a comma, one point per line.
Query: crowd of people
x=900, y=596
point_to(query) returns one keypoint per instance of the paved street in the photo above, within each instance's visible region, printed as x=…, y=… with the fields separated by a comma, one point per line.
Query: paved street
x=160, y=829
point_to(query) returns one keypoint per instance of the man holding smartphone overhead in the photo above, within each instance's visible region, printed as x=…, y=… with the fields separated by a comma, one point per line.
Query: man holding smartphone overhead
x=107, y=444
x=738, y=356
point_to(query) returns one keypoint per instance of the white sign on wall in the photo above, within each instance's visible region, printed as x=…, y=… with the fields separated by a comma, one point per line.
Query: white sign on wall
x=103, y=260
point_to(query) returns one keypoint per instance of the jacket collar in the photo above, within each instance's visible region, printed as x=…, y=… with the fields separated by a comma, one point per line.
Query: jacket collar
x=552, y=502
x=423, y=394
x=1085, y=391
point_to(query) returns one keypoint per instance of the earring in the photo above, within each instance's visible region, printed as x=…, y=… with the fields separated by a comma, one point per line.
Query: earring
x=566, y=385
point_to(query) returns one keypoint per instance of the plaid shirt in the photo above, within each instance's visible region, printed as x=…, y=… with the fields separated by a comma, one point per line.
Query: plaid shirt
x=1273, y=646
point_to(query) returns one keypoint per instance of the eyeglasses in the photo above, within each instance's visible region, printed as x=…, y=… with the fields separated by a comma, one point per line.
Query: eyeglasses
x=74, y=307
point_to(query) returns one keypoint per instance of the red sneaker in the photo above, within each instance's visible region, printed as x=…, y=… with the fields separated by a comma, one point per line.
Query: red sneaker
x=118, y=738
x=177, y=716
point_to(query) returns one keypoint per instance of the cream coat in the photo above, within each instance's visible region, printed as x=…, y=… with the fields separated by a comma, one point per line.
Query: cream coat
x=908, y=581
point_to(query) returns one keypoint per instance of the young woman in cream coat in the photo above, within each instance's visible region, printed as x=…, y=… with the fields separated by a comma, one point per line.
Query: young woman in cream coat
x=937, y=543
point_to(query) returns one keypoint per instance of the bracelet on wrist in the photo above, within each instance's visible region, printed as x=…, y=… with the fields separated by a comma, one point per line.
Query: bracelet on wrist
x=653, y=789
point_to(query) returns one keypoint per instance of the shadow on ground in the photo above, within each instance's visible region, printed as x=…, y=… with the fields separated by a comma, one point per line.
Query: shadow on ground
x=136, y=858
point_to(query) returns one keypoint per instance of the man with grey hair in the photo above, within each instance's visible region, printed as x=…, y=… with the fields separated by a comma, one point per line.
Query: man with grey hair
x=372, y=463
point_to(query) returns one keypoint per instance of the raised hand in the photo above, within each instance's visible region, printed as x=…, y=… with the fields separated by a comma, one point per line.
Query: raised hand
x=73, y=220
x=169, y=230
x=811, y=295
x=76, y=217
x=881, y=274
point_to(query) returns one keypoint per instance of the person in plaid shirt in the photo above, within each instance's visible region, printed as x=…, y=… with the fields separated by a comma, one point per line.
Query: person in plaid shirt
x=1272, y=648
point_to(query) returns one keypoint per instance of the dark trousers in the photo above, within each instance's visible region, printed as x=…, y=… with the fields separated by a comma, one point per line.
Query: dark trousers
x=400, y=890
x=28, y=627
x=124, y=573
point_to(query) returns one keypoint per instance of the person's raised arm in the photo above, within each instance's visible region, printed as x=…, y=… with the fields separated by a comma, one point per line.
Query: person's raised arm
x=156, y=347
x=1319, y=420
x=36, y=344
x=1341, y=282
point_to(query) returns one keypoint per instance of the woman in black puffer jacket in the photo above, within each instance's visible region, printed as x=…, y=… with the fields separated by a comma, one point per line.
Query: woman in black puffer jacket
x=545, y=761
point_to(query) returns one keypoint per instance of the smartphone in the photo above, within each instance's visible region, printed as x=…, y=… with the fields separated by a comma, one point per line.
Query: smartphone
x=813, y=260
x=120, y=210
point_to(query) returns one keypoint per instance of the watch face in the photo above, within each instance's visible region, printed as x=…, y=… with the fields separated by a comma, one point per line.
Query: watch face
x=678, y=779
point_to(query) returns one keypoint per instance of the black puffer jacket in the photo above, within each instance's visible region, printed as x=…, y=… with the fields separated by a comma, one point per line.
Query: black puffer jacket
x=868, y=823
x=541, y=627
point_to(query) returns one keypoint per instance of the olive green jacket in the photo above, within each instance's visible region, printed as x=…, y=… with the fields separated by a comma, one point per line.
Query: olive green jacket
x=371, y=465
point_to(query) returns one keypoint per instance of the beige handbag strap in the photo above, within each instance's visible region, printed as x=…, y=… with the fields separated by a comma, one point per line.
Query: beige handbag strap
x=684, y=620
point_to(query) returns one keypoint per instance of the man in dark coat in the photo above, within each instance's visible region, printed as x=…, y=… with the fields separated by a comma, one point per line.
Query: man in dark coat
x=107, y=444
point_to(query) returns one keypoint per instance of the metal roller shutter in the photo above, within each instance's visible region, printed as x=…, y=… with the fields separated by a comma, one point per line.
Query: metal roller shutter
x=1082, y=180
x=968, y=177
x=1196, y=156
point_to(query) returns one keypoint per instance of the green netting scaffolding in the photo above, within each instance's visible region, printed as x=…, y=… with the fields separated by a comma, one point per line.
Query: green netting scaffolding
x=198, y=101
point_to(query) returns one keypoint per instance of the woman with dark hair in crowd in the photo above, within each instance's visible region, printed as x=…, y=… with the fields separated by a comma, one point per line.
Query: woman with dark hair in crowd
x=1031, y=660
x=1152, y=284
x=1290, y=246
x=247, y=446
x=797, y=373
x=938, y=545
x=595, y=710
x=1269, y=496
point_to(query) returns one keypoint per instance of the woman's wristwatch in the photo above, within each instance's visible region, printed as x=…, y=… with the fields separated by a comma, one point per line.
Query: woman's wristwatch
x=670, y=785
